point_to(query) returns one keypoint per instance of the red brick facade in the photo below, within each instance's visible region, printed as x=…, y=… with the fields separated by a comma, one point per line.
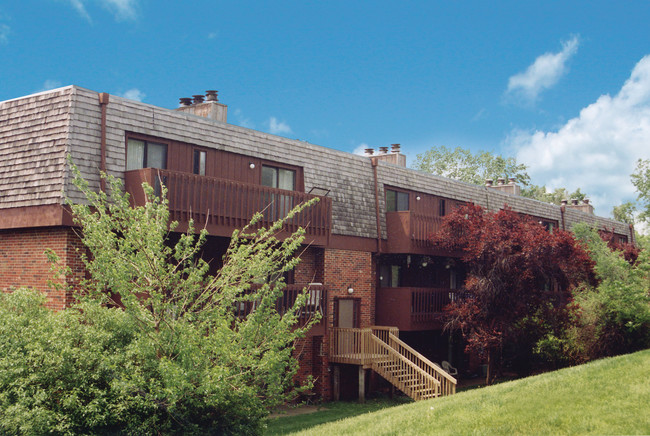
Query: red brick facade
x=23, y=261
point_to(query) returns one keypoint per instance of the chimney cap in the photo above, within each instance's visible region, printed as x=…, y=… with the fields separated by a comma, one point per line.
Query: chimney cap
x=383, y=150
x=585, y=201
x=574, y=201
x=395, y=148
x=370, y=151
x=489, y=182
x=511, y=180
x=185, y=101
x=211, y=95
x=198, y=98
x=564, y=201
x=501, y=181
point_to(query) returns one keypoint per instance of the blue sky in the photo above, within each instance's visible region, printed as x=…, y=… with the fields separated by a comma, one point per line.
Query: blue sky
x=563, y=86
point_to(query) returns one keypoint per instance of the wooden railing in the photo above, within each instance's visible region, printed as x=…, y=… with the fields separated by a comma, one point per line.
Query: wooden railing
x=447, y=382
x=381, y=349
x=400, y=371
x=316, y=303
x=422, y=227
x=225, y=203
x=412, y=308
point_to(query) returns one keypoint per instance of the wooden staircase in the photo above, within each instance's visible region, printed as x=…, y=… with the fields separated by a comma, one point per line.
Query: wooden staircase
x=380, y=349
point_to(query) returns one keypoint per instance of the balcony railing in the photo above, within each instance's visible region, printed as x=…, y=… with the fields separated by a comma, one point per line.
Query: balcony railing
x=408, y=230
x=224, y=205
x=412, y=308
x=316, y=303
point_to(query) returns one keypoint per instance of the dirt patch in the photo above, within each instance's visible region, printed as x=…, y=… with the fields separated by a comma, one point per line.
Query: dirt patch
x=283, y=411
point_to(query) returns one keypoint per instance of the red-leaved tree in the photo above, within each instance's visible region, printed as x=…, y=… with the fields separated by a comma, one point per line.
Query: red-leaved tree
x=519, y=279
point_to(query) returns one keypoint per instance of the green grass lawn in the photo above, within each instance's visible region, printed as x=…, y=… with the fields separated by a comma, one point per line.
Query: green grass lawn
x=610, y=396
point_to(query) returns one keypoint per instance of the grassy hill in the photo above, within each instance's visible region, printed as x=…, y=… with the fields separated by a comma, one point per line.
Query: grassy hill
x=610, y=396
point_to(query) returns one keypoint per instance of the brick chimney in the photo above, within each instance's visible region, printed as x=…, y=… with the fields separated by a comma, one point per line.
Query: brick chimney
x=507, y=188
x=210, y=108
x=394, y=157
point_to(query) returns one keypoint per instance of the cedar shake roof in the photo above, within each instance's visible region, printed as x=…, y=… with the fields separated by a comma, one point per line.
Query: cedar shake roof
x=38, y=130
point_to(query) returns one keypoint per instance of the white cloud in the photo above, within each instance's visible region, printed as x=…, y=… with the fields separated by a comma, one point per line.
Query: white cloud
x=4, y=33
x=212, y=35
x=361, y=149
x=278, y=127
x=50, y=84
x=543, y=74
x=121, y=9
x=241, y=120
x=596, y=151
x=133, y=94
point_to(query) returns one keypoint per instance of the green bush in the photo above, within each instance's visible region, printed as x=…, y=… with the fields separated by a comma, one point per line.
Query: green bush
x=170, y=355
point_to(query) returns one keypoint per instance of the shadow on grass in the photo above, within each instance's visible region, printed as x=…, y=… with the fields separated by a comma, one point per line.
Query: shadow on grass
x=330, y=412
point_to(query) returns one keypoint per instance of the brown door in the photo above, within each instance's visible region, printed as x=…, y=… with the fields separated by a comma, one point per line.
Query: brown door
x=347, y=313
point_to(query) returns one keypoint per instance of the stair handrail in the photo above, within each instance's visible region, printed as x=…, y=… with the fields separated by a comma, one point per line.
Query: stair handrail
x=393, y=353
x=435, y=371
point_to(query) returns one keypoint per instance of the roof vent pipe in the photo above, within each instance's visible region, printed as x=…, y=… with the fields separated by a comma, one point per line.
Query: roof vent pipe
x=198, y=98
x=185, y=101
x=211, y=96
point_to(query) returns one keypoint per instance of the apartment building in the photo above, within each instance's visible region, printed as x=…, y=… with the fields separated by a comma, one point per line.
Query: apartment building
x=367, y=263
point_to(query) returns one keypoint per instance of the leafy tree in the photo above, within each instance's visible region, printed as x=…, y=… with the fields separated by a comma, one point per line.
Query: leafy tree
x=615, y=314
x=554, y=197
x=462, y=164
x=641, y=181
x=519, y=280
x=624, y=212
x=176, y=356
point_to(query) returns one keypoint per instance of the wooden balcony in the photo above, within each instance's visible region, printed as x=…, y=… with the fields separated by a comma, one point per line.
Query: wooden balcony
x=224, y=205
x=412, y=309
x=316, y=304
x=409, y=232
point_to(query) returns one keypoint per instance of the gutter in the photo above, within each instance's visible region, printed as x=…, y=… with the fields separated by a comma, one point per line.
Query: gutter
x=374, y=163
x=103, y=104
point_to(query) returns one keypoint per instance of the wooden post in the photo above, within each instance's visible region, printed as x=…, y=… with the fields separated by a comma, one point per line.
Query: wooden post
x=362, y=384
x=337, y=383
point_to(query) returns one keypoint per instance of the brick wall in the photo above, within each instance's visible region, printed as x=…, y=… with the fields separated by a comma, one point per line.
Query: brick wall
x=23, y=261
x=310, y=268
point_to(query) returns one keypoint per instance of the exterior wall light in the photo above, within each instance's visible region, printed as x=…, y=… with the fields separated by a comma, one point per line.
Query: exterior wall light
x=251, y=165
x=350, y=290
x=418, y=198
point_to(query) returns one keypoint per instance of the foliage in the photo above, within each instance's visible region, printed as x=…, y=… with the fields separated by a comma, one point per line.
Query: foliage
x=554, y=197
x=175, y=357
x=624, y=212
x=614, y=316
x=641, y=180
x=607, y=396
x=519, y=280
x=629, y=251
x=462, y=164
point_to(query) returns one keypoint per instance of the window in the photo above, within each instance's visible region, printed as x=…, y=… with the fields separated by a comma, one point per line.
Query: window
x=198, y=165
x=145, y=154
x=443, y=207
x=277, y=205
x=396, y=201
x=281, y=178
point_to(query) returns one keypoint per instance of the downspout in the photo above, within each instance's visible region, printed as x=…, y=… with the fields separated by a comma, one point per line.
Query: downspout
x=103, y=104
x=373, y=162
x=562, y=210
